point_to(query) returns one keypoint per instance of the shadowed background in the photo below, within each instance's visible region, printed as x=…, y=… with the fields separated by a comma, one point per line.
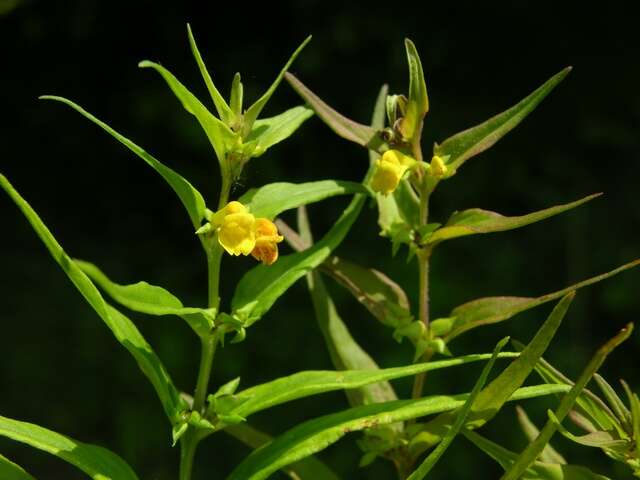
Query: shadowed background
x=60, y=366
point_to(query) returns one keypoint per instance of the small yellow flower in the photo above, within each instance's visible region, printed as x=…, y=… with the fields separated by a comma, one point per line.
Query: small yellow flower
x=235, y=227
x=389, y=170
x=267, y=239
x=438, y=167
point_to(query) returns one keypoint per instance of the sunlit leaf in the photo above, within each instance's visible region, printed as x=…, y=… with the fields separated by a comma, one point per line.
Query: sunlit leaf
x=150, y=299
x=122, y=328
x=314, y=435
x=267, y=132
x=274, y=198
x=484, y=311
x=468, y=143
x=189, y=196
x=97, y=462
x=474, y=221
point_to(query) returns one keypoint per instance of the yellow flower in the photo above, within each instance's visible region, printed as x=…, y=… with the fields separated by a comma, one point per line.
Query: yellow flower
x=389, y=170
x=235, y=227
x=438, y=167
x=267, y=239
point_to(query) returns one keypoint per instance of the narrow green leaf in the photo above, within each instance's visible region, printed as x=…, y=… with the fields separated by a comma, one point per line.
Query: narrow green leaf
x=492, y=398
x=538, y=470
x=461, y=416
x=485, y=311
x=468, y=143
x=344, y=127
x=267, y=132
x=476, y=220
x=219, y=135
x=549, y=454
x=97, y=462
x=237, y=93
x=313, y=382
x=614, y=401
x=272, y=281
x=417, y=85
x=532, y=451
x=123, y=329
x=594, y=439
x=274, y=198
x=189, y=196
x=12, y=471
x=224, y=111
x=252, y=113
x=345, y=352
x=314, y=435
x=150, y=299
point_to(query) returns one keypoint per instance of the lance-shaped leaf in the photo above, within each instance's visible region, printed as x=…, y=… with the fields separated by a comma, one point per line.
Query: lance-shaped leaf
x=461, y=416
x=274, y=198
x=217, y=132
x=150, y=299
x=491, y=399
x=529, y=455
x=468, y=143
x=309, y=467
x=489, y=310
x=344, y=127
x=418, y=102
x=476, y=220
x=304, y=384
x=254, y=110
x=12, y=471
x=314, y=435
x=237, y=94
x=267, y=132
x=189, y=196
x=538, y=470
x=123, y=329
x=97, y=462
x=595, y=439
x=224, y=111
x=548, y=454
x=263, y=285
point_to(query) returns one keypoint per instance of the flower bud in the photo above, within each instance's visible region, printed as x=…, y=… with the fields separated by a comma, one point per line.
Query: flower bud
x=438, y=168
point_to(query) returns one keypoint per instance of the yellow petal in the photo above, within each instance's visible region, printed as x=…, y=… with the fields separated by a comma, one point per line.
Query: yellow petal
x=387, y=174
x=237, y=234
x=267, y=239
x=217, y=218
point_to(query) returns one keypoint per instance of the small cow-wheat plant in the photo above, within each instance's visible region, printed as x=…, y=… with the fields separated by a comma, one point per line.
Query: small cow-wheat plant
x=400, y=178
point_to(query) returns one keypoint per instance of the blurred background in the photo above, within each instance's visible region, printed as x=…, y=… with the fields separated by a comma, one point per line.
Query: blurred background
x=60, y=366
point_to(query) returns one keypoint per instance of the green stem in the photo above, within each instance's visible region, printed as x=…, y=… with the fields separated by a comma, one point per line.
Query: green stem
x=204, y=373
x=188, y=445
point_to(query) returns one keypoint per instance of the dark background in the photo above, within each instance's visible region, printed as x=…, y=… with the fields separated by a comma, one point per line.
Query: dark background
x=60, y=366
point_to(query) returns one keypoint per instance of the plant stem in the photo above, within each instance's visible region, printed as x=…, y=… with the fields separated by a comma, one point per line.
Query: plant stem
x=188, y=445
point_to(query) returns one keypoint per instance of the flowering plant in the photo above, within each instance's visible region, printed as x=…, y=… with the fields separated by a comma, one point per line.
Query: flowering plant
x=412, y=433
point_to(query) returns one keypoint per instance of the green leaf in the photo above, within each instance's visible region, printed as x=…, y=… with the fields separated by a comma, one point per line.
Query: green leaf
x=594, y=439
x=224, y=111
x=12, y=471
x=237, y=92
x=614, y=401
x=123, y=329
x=254, y=110
x=274, y=198
x=476, y=220
x=485, y=311
x=345, y=352
x=492, y=398
x=461, y=415
x=97, y=462
x=533, y=450
x=150, y=299
x=536, y=471
x=344, y=127
x=303, y=384
x=189, y=196
x=263, y=285
x=314, y=435
x=307, y=468
x=217, y=132
x=468, y=143
x=267, y=132
x=417, y=85
x=548, y=454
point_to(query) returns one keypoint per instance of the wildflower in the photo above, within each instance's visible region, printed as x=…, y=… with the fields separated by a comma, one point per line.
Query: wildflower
x=266, y=243
x=235, y=227
x=438, y=168
x=389, y=170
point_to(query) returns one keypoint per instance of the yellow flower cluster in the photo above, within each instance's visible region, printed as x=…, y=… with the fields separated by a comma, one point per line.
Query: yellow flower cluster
x=389, y=170
x=239, y=232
